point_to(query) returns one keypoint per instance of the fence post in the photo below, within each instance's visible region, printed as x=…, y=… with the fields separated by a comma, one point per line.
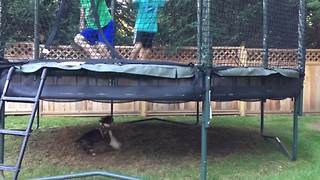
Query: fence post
x=143, y=108
x=242, y=108
x=243, y=54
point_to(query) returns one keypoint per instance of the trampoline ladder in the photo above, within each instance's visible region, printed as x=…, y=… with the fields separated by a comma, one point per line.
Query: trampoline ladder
x=23, y=133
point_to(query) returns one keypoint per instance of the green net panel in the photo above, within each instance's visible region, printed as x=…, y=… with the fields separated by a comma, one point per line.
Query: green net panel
x=16, y=27
x=240, y=31
x=241, y=26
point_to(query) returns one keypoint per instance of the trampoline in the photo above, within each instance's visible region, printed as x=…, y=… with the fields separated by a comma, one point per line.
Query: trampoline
x=117, y=79
x=161, y=81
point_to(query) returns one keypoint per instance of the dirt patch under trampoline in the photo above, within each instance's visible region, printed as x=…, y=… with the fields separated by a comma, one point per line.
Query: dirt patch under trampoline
x=143, y=145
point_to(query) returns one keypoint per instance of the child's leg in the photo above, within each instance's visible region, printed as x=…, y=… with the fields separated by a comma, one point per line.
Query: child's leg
x=147, y=45
x=136, y=50
x=102, y=50
x=86, y=39
x=108, y=32
x=145, y=53
x=138, y=44
x=81, y=41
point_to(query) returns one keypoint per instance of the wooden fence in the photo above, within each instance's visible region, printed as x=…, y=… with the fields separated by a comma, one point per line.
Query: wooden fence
x=90, y=108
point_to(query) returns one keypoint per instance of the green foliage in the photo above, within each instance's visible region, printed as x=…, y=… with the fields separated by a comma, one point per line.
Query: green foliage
x=21, y=13
x=69, y=23
x=237, y=21
x=124, y=17
x=313, y=24
x=178, y=24
x=232, y=22
x=18, y=18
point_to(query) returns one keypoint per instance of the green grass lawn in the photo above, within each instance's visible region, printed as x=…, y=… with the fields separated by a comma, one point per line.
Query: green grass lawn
x=235, y=149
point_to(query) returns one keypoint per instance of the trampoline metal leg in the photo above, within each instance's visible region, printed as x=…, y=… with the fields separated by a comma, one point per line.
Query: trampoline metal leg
x=293, y=155
x=38, y=117
x=111, y=109
x=2, y=126
x=198, y=114
x=262, y=117
x=204, y=126
x=295, y=128
x=169, y=121
x=161, y=120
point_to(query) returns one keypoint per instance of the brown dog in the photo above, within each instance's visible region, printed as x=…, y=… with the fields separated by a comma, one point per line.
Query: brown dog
x=103, y=132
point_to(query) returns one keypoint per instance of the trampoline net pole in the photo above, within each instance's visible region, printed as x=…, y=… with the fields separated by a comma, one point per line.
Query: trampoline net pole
x=36, y=30
x=301, y=49
x=301, y=34
x=206, y=61
x=199, y=29
x=206, y=38
x=1, y=31
x=265, y=34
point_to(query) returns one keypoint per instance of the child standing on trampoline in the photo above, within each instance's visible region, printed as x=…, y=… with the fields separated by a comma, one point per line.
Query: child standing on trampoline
x=146, y=26
x=90, y=39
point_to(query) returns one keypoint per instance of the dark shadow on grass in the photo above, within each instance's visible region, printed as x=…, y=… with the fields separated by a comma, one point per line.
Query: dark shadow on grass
x=146, y=144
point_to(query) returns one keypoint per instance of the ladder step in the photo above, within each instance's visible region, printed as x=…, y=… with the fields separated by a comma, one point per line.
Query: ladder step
x=19, y=99
x=7, y=167
x=13, y=132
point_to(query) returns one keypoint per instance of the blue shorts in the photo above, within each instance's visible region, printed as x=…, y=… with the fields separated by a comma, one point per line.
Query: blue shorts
x=93, y=36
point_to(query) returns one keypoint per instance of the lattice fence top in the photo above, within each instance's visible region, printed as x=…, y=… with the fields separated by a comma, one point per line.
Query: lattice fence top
x=18, y=51
x=222, y=56
x=313, y=55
